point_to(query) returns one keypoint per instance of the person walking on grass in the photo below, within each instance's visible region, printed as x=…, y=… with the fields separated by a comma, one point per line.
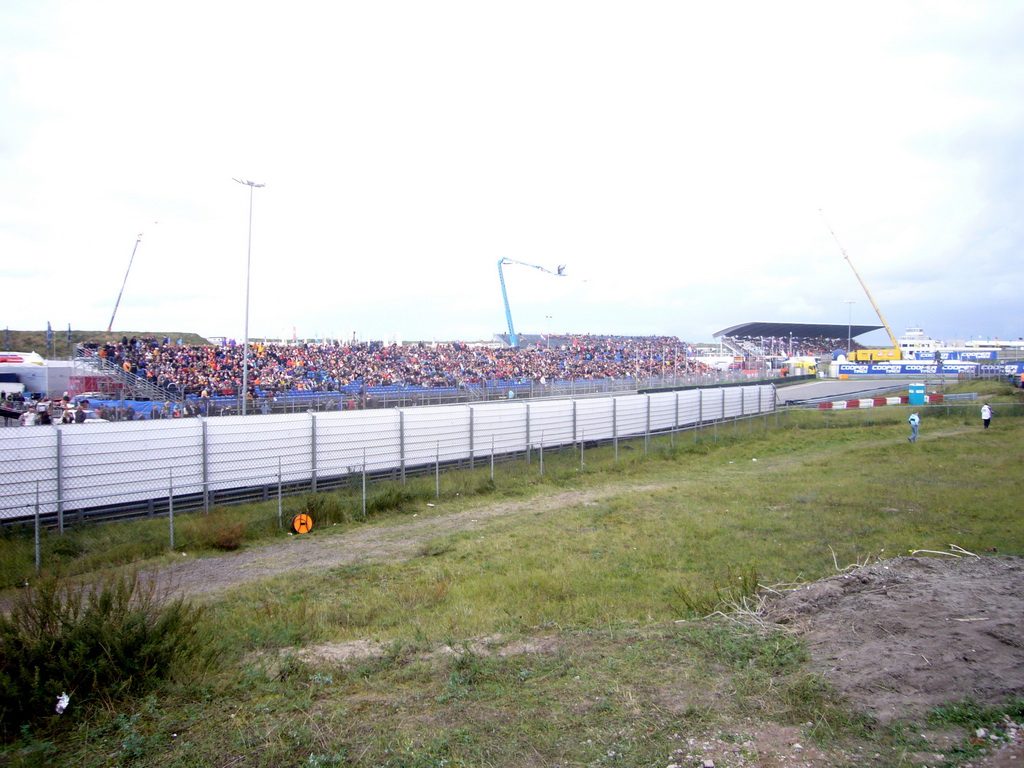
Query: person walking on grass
x=986, y=414
x=915, y=421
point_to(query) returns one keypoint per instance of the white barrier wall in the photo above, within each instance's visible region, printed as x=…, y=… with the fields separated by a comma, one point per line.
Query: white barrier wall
x=77, y=466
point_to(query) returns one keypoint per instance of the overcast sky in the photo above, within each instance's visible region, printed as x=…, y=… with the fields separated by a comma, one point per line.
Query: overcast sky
x=682, y=159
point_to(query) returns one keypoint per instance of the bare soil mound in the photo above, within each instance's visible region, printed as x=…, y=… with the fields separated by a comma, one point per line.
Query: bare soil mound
x=901, y=636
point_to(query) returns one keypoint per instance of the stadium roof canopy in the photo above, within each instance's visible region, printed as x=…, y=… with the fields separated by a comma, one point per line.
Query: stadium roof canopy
x=797, y=330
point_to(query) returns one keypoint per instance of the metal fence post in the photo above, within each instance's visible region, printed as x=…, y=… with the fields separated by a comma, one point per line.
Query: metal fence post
x=401, y=442
x=206, y=464
x=647, y=429
x=437, y=471
x=364, y=482
x=675, y=423
x=312, y=451
x=60, y=481
x=492, y=458
x=280, y=509
x=542, y=453
x=574, y=421
x=38, y=562
x=170, y=503
x=528, y=433
x=615, y=427
x=472, y=457
x=700, y=416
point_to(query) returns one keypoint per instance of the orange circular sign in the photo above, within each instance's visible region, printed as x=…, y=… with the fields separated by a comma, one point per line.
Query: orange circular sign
x=302, y=523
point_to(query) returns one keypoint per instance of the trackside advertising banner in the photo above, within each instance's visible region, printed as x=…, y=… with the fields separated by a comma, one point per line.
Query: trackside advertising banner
x=1006, y=368
x=960, y=354
x=948, y=366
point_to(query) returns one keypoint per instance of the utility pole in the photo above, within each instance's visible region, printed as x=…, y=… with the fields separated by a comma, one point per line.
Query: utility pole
x=248, y=264
x=849, y=326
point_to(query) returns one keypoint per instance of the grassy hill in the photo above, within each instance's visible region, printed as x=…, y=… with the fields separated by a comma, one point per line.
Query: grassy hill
x=35, y=341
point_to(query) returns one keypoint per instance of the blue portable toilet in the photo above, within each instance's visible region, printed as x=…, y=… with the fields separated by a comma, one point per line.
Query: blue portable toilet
x=916, y=394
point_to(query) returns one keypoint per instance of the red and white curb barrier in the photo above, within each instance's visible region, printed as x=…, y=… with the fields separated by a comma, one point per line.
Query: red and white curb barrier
x=872, y=402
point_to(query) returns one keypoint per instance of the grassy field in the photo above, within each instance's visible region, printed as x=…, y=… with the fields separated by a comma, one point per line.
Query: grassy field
x=548, y=632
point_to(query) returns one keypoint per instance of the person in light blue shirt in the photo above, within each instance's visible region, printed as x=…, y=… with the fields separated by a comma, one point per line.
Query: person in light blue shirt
x=915, y=421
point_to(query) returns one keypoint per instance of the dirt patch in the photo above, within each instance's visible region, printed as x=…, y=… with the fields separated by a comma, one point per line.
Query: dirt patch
x=355, y=651
x=339, y=653
x=398, y=540
x=897, y=638
x=904, y=635
x=771, y=746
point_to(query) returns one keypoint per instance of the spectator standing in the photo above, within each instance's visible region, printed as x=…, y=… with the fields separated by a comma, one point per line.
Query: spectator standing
x=915, y=422
x=986, y=415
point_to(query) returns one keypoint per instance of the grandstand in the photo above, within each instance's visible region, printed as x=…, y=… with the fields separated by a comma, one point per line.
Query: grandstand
x=149, y=378
x=769, y=345
x=168, y=379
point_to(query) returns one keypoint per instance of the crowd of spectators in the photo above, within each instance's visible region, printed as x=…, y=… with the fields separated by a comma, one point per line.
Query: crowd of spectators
x=788, y=346
x=275, y=369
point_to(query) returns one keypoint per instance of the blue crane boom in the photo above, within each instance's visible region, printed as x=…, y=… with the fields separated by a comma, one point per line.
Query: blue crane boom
x=123, y=284
x=513, y=340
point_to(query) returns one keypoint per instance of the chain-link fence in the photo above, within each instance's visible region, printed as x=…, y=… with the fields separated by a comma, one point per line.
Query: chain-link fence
x=201, y=483
x=105, y=470
x=62, y=478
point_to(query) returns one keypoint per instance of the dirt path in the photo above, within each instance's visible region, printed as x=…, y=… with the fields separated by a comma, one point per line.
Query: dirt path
x=399, y=539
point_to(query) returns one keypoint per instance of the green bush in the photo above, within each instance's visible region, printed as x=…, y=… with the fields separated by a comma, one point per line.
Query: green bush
x=390, y=498
x=218, y=531
x=325, y=508
x=92, y=641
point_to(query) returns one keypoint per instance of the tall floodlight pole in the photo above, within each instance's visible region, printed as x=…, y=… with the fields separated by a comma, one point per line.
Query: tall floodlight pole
x=849, y=325
x=248, y=263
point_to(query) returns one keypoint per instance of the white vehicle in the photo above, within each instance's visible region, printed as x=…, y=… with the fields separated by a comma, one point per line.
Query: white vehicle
x=93, y=396
x=93, y=417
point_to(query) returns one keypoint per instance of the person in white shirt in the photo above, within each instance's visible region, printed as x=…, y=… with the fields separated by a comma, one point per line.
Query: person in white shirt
x=915, y=421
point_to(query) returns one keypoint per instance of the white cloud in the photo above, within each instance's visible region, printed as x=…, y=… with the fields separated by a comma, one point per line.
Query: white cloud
x=674, y=156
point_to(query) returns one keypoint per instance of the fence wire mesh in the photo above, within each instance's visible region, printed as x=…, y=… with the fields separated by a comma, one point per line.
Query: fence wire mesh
x=210, y=482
